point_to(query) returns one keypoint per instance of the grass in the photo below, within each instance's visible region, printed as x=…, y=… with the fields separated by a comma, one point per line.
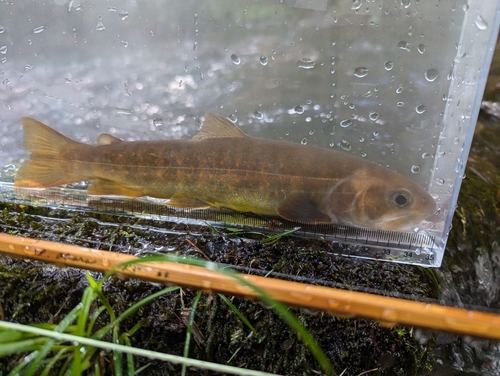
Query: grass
x=240, y=232
x=73, y=344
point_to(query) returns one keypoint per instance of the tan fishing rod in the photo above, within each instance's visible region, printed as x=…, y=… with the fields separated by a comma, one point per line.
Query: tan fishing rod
x=388, y=311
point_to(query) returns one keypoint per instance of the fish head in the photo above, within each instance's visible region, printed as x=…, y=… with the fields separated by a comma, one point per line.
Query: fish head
x=380, y=199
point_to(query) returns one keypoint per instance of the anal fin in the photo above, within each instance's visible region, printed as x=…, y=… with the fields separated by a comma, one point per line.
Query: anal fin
x=107, y=187
x=182, y=201
x=297, y=207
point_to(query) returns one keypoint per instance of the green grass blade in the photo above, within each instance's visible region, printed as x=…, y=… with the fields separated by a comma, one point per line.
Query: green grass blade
x=97, y=289
x=10, y=336
x=117, y=355
x=105, y=330
x=125, y=340
x=87, y=299
x=93, y=319
x=221, y=368
x=238, y=313
x=18, y=370
x=47, y=347
x=52, y=361
x=290, y=318
x=190, y=324
x=279, y=307
x=21, y=346
x=280, y=235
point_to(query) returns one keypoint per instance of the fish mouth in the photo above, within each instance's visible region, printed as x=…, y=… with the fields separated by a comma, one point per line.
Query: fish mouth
x=404, y=223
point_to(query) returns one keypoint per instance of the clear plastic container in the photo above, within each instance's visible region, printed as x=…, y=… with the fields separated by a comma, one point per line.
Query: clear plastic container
x=397, y=83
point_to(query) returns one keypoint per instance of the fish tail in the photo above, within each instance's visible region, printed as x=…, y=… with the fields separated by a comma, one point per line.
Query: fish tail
x=45, y=168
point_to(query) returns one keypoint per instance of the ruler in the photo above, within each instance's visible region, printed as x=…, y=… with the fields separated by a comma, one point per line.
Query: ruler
x=404, y=247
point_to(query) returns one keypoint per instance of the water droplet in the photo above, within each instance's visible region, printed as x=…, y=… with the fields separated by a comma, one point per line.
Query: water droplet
x=373, y=116
x=481, y=23
x=123, y=15
x=388, y=65
x=28, y=67
x=207, y=285
x=124, y=43
x=405, y=3
x=123, y=111
x=356, y=4
x=465, y=7
x=258, y=115
x=346, y=145
x=404, y=45
x=431, y=75
x=9, y=170
x=235, y=59
x=306, y=63
x=67, y=80
x=105, y=262
x=111, y=8
x=426, y=155
x=421, y=48
x=400, y=89
x=363, y=154
x=2, y=29
x=304, y=141
x=420, y=109
x=400, y=104
x=439, y=181
x=100, y=26
x=299, y=109
x=346, y=123
x=361, y=72
x=158, y=122
x=38, y=30
x=415, y=169
x=233, y=118
x=3, y=50
x=361, y=139
x=263, y=60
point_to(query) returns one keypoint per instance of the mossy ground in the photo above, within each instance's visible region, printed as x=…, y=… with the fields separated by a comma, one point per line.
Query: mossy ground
x=34, y=292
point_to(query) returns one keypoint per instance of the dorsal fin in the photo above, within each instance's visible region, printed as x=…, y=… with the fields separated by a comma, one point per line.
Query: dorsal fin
x=107, y=139
x=216, y=126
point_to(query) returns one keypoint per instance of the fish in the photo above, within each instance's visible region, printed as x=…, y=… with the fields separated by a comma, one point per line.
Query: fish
x=223, y=168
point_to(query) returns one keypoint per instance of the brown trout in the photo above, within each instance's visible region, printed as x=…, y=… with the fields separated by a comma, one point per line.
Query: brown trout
x=221, y=167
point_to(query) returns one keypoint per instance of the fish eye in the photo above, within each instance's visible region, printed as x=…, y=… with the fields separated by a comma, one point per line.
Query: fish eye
x=401, y=199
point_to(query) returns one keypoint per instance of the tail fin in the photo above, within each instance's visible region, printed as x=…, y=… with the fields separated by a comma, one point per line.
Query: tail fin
x=45, y=168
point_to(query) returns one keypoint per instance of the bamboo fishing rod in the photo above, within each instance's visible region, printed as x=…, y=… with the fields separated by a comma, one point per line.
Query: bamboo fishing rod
x=388, y=311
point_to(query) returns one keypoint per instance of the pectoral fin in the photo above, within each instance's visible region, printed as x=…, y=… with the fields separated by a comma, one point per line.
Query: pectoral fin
x=106, y=187
x=297, y=207
x=187, y=202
